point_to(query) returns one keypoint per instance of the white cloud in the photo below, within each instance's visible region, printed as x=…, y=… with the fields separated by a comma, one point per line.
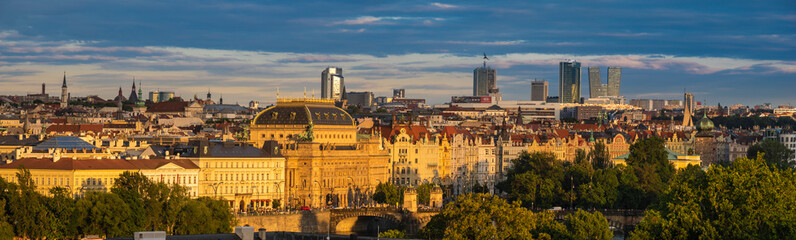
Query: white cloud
x=371, y=20
x=443, y=5
x=489, y=43
x=254, y=75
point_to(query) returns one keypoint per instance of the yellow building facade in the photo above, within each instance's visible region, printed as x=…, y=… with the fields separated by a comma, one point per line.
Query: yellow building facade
x=247, y=177
x=326, y=165
x=82, y=175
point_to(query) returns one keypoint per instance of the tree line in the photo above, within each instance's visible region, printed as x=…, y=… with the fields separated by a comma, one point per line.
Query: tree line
x=134, y=203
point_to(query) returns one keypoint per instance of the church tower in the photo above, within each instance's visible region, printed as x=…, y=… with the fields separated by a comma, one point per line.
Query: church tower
x=688, y=109
x=133, y=96
x=64, y=97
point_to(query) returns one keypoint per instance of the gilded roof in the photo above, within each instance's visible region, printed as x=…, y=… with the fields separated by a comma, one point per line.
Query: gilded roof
x=303, y=113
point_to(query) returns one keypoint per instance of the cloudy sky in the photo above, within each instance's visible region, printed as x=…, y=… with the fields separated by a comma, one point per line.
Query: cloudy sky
x=726, y=52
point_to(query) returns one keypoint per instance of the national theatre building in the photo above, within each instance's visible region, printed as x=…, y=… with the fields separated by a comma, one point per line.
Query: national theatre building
x=327, y=163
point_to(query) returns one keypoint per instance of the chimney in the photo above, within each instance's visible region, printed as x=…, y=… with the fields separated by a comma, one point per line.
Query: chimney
x=245, y=232
x=262, y=233
x=42, y=88
x=155, y=235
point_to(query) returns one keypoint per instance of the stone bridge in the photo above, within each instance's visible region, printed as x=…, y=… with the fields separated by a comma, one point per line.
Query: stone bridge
x=620, y=220
x=351, y=220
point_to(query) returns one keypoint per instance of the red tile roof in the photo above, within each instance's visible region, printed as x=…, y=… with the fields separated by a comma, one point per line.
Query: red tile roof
x=173, y=106
x=84, y=164
x=75, y=128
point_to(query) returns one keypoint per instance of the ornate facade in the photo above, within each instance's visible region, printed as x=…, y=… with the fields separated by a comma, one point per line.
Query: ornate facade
x=326, y=165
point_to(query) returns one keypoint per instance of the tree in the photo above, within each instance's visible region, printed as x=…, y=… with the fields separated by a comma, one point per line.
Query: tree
x=276, y=204
x=535, y=179
x=748, y=200
x=222, y=218
x=105, y=214
x=63, y=209
x=387, y=193
x=648, y=161
x=774, y=152
x=424, y=193
x=600, y=157
x=193, y=218
x=392, y=233
x=6, y=230
x=26, y=208
x=585, y=225
x=481, y=216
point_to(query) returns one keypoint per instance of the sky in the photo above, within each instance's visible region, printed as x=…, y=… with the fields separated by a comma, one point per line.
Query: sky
x=727, y=52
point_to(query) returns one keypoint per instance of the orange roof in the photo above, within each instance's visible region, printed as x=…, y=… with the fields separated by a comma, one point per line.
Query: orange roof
x=173, y=106
x=77, y=128
x=83, y=164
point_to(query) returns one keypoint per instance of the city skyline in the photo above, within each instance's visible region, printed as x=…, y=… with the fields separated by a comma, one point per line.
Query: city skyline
x=439, y=44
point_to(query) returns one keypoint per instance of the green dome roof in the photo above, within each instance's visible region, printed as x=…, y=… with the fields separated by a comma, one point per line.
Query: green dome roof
x=704, y=124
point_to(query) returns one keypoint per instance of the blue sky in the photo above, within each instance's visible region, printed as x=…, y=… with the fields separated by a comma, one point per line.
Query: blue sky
x=732, y=52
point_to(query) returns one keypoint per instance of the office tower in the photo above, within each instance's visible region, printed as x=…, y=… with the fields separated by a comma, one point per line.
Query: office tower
x=614, y=80
x=596, y=86
x=539, y=90
x=484, y=81
x=64, y=96
x=332, y=84
x=361, y=99
x=569, y=81
x=688, y=109
x=399, y=93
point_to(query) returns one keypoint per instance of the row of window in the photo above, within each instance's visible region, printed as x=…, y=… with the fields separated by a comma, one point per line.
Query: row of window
x=243, y=176
x=227, y=189
x=244, y=164
x=324, y=136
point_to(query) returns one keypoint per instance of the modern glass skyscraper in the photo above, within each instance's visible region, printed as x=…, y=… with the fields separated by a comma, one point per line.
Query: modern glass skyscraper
x=614, y=80
x=332, y=84
x=484, y=81
x=539, y=90
x=596, y=86
x=569, y=82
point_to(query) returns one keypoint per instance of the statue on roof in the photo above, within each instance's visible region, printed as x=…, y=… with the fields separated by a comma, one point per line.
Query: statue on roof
x=307, y=136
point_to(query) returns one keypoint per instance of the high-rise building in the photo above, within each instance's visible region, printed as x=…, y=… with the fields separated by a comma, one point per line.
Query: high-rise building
x=539, y=90
x=64, y=96
x=596, y=86
x=399, y=93
x=614, y=80
x=688, y=109
x=484, y=81
x=569, y=81
x=332, y=84
x=361, y=99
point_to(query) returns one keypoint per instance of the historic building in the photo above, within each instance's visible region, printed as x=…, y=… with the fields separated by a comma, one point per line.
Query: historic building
x=248, y=177
x=80, y=175
x=327, y=165
x=289, y=120
x=414, y=155
x=705, y=142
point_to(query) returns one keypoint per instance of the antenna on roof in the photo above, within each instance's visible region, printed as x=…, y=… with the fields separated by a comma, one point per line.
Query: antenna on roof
x=485, y=58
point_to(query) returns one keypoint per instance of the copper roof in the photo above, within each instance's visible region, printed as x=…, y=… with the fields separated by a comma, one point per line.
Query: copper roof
x=300, y=113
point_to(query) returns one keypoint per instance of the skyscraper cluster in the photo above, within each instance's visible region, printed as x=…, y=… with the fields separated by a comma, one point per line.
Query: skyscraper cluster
x=599, y=89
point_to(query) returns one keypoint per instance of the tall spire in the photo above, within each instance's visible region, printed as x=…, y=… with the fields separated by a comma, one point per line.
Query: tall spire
x=64, y=85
